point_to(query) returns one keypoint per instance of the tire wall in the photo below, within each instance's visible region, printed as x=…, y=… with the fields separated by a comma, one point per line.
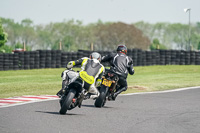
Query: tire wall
x=58, y=59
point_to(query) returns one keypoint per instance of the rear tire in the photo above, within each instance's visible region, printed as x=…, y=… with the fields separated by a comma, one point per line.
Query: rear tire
x=66, y=104
x=100, y=101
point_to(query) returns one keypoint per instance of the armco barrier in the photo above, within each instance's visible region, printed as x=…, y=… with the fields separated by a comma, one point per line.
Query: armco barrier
x=57, y=58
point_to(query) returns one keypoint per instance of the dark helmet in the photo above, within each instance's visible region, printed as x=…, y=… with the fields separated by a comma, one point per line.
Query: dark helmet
x=95, y=55
x=122, y=48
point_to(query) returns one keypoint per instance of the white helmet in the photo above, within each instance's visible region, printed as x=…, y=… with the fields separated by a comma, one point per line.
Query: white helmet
x=95, y=55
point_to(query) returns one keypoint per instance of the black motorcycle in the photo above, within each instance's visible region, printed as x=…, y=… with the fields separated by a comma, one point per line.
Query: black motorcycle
x=108, y=88
x=67, y=77
x=75, y=92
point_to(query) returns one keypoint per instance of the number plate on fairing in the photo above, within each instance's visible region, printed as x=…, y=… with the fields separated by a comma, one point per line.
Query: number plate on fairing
x=107, y=82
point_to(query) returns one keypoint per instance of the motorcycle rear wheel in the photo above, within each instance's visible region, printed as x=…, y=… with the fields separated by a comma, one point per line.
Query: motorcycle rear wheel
x=68, y=101
x=101, y=100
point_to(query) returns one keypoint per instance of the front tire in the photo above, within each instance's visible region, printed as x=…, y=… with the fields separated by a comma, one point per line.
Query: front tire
x=100, y=101
x=66, y=104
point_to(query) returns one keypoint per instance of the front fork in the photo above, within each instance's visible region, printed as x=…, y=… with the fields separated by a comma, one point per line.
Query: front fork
x=81, y=97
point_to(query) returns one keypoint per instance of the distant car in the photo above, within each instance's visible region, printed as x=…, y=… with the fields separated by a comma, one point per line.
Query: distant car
x=18, y=50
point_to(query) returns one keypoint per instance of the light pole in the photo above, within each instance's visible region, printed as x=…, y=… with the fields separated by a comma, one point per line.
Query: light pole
x=188, y=10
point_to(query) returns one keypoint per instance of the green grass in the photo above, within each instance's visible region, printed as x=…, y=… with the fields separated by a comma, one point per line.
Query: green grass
x=158, y=78
x=48, y=81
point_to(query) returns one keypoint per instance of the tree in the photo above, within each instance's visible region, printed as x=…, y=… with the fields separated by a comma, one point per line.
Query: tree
x=198, y=46
x=3, y=35
x=156, y=45
x=112, y=34
x=27, y=32
x=104, y=35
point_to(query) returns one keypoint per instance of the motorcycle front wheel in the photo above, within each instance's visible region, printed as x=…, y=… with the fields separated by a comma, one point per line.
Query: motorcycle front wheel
x=101, y=100
x=68, y=101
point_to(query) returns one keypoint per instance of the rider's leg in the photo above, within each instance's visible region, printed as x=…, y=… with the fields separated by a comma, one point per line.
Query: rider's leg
x=94, y=92
x=123, y=87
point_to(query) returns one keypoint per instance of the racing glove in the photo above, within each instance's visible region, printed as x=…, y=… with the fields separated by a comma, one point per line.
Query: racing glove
x=70, y=64
x=98, y=83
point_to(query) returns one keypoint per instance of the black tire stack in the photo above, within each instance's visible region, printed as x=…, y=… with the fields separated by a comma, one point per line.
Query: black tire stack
x=69, y=57
x=141, y=57
x=187, y=57
x=178, y=57
x=197, y=58
x=87, y=53
x=162, y=57
x=168, y=57
x=6, y=62
x=182, y=57
x=173, y=57
x=74, y=56
x=65, y=59
x=26, y=60
x=32, y=59
x=1, y=62
x=37, y=60
x=16, y=61
x=135, y=56
x=48, y=59
x=157, y=57
x=148, y=58
x=80, y=54
x=192, y=57
x=11, y=56
x=142, y=60
x=21, y=60
x=129, y=53
x=58, y=58
x=42, y=54
x=53, y=58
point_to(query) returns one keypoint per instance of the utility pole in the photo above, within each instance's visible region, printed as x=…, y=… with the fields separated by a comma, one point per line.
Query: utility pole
x=92, y=47
x=189, y=29
x=60, y=45
x=24, y=46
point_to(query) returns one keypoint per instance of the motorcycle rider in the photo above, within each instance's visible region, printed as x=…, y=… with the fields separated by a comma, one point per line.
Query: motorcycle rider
x=91, y=73
x=121, y=64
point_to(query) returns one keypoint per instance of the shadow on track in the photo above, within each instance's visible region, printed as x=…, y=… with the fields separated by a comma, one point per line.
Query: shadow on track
x=92, y=106
x=56, y=113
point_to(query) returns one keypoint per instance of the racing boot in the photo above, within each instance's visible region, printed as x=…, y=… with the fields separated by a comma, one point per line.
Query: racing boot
x=94, y=96
x=87, y=96
x=118, y=92
x=60, y=93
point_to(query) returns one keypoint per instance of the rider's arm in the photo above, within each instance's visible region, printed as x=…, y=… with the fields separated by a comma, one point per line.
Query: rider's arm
x=75, y=63
x=107, y=57
x=130, y=66
x=78, y=62
x=99, y=78
x=131, y=69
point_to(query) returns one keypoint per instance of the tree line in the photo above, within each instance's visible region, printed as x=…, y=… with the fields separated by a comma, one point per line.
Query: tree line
x=172, y=36
x=73, y=35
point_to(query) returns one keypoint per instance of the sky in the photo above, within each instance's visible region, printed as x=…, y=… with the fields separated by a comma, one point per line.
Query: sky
x=90, y=11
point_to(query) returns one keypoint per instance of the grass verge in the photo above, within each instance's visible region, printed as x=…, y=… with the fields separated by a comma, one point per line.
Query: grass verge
x=148, y=78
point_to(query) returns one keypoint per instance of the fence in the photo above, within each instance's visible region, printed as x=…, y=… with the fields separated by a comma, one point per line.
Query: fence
x=58, y=59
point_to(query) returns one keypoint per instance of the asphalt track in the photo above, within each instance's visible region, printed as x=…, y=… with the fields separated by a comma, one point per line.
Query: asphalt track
x=169, y=112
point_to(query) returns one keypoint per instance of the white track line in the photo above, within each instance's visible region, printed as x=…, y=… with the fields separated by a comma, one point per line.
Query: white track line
x=157, y=92
x=53, y=97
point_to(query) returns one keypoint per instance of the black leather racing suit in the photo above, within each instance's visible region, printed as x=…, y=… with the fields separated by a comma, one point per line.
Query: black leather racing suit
x=121, y=64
